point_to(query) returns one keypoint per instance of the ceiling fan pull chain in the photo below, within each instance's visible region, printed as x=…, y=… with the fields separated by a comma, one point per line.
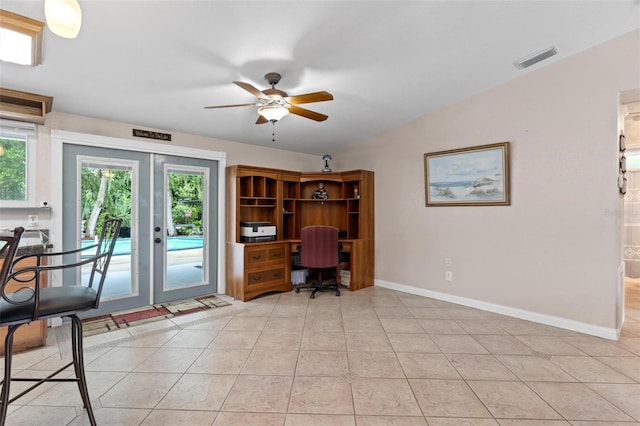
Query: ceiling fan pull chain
x=273, y=131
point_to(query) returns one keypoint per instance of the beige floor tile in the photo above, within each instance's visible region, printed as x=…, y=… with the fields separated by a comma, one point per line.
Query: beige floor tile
x=480, y=367
x=442, y=421
x=113, y=416
x=631, y=344
x=259, y=394
x=390, y=421
x=203, y=392
x=368, y=342
x=388, y=397
x=575, y=401
x=441, y=326
x=588, y=369
x=428, y=313
x=268, y=362
x=414, y=301
x=410, y=342
x=321, y=395
x=447, y=398
x=362, y=325
x=323, y=324
x=464, y=313
x=515, y=422
x=282, y=340
x=217, y=323
x=246, y=323
x=534, y=369
x=323, y=341
x=401, y=325
x=393, y=312
x=120, y=359
x=249, y=419
x=169, y=360
x=150, y=340
x=629, y=366
x=458, y=344
x=67, y=394
x=284, y=324
x=595, y=346
x=220, y=361
x=481, y=326
x=319, y=420
x=322, y=363
x=624, y=396
x=512, y=400
x=427, y=366
x=139, y=390
x=16, y=387
x=505, y=345
x=375, y=364
x=551, y=345
x=233, y=339
x=192, y=339
x=289, y=310
x=177, y=417
x=41, y=416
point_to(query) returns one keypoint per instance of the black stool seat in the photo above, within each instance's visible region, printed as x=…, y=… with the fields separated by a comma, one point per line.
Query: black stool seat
x=32, y=302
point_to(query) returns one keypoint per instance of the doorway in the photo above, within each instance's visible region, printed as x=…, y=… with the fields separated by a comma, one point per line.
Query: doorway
x=169, y=247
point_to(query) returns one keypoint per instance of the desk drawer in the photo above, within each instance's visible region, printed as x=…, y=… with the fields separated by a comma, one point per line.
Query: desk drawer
x=270, y=275
x=266, y=255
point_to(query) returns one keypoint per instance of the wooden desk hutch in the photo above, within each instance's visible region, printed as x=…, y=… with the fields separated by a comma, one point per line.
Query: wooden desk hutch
x=284, y=199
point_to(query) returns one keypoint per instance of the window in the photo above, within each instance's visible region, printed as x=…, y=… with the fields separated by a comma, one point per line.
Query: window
x=20, y=39
x=17, y=164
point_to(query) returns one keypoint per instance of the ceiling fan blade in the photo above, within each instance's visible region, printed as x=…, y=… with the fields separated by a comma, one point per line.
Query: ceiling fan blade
x=307, y=113
x=261, y=120
x=249, y=88
x=228, y=106
x=308, y=98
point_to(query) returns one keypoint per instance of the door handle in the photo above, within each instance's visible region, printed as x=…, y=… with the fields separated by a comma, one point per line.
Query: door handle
x=158, y=240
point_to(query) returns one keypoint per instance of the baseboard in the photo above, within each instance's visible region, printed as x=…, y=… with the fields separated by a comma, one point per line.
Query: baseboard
x=567, y=324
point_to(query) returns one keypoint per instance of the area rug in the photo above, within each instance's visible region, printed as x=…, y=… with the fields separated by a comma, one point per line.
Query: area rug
x=115, y=321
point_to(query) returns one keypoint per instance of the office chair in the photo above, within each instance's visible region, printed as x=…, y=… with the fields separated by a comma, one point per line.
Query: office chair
x=319, y=249
x=33, y=303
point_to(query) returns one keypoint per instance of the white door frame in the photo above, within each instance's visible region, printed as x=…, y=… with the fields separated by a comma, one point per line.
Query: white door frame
x=60, y=137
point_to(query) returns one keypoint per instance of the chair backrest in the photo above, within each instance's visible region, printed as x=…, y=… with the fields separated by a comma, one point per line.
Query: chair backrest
x=8, y=249
x=104, y=250
x=319, y=247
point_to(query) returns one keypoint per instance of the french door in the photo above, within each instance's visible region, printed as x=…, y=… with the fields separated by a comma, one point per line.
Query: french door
x=167, y=249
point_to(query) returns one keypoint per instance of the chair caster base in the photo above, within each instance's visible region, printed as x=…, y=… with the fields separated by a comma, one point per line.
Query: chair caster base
x=297, y=290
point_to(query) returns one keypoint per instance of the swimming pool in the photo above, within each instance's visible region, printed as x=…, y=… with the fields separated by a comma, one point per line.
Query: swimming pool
x=123, y=245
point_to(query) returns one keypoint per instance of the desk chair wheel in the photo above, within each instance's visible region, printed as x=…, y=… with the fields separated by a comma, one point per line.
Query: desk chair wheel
x=297, y=289
x=313, y=296
x=337, y=292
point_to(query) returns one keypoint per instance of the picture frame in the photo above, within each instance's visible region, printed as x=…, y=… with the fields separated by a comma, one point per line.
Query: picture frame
x=474, y=176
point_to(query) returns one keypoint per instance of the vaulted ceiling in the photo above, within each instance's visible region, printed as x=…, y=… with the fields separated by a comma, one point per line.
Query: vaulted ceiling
x=158, y=63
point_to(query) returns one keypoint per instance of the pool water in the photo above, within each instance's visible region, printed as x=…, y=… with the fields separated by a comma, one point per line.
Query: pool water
x=123, y=245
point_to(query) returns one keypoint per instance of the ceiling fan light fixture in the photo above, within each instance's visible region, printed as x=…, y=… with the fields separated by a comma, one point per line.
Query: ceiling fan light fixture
x=273, y=113
x=64, y=17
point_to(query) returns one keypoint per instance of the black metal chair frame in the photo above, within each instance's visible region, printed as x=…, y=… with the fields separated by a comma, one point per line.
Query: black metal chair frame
x=26, y=304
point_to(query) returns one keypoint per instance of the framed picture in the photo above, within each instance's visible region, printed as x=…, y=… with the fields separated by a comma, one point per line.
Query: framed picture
x=475, y=176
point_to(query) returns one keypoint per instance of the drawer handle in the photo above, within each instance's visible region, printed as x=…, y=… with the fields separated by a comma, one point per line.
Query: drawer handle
x=257, y=256
x=277, y=274
x=256, y=277
x=277, y=254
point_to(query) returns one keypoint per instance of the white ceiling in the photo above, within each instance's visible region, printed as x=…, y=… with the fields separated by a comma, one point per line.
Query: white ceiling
x=158, y=63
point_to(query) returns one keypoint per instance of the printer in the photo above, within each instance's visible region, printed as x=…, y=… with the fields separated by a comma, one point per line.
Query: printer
x=254, y=232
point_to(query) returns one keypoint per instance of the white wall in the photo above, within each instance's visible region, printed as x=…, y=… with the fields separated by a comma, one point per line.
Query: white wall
x=553, y=255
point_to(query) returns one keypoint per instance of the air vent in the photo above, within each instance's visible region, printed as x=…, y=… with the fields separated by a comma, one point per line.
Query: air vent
x=23, y=106
x=535, y=58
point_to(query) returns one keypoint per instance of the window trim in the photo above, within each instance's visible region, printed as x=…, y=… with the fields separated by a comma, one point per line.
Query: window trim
x=28, y=131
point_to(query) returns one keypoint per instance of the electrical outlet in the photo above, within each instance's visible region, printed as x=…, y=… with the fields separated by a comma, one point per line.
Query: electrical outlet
x=32, y=220
x=448, y=276
x=447, y=261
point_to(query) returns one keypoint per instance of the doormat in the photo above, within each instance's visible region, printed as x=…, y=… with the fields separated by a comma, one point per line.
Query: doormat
x=115, y=321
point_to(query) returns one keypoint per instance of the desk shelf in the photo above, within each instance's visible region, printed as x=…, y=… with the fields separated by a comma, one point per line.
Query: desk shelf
x=284, y=199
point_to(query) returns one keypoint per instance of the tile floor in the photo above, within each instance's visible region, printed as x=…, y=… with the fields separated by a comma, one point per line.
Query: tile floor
x=372, y=357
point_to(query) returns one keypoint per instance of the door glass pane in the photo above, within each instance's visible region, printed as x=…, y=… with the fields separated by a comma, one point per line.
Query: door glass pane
x=186, y=227
x=106, y=190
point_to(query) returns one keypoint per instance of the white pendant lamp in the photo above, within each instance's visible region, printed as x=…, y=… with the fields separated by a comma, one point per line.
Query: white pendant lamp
x=64, y=17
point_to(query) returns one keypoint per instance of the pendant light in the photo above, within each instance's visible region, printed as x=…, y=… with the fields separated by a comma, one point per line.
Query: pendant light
x=64, y=17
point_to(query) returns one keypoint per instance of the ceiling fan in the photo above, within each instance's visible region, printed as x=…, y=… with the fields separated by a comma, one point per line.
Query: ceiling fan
x=273, y=104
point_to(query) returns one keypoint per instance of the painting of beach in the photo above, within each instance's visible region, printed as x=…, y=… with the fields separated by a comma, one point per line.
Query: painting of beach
x=468, y=176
